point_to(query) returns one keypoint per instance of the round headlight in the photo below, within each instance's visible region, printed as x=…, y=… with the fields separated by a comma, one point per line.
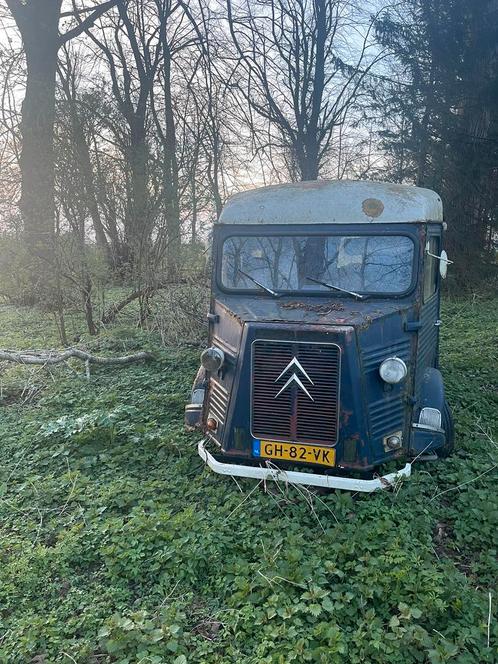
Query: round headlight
x=393, y=370
x=212, y=359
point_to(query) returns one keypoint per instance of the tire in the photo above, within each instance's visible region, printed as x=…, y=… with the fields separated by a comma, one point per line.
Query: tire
x=449, y=429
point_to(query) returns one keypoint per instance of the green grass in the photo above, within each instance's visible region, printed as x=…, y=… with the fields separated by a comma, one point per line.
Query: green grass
x=116, y=545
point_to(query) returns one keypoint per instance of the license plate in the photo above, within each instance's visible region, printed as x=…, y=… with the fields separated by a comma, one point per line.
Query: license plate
x=266, y=449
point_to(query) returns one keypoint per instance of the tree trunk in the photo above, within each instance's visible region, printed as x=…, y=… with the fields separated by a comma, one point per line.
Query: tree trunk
x=137, y=215
x=86, y=293
x=38, y=24
x=305, y=154
x=213, y=170
x=308, y=164
x=172, y=206
x=193, y=223
x=111, y=222
x=86, y=170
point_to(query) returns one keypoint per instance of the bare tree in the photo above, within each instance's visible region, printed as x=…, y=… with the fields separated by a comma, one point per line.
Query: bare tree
x=129, y=44
x=175, y=35
x=303, y=64
x=38, y=23
x=75, y=189
x=80, y=132
x=11, y=77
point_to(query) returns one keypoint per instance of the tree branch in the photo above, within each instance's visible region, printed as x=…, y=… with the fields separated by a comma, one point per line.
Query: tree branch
x=87, y=22
x=77, y=12
x=109, y=315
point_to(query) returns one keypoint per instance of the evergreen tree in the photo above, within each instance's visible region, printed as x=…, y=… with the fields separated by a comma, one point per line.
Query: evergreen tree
x=442, y=131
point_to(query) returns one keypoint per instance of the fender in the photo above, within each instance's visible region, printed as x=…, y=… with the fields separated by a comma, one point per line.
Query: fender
x=427, y=432
x=432, y=390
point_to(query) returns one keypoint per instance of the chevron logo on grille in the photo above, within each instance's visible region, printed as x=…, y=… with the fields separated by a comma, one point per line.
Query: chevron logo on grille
x=294, y=378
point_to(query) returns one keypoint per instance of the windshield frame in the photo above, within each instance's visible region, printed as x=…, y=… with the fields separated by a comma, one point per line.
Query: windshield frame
x=224, y=232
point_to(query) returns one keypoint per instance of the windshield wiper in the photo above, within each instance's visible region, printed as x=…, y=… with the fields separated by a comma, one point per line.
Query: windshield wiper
x=332, y=287
x=262, y=286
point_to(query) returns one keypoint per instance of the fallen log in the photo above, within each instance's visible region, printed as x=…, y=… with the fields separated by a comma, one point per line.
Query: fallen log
x=45, y=358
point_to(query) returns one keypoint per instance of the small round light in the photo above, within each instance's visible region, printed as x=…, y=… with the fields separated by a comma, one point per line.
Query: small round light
x=393, y=370
x=212, y=424
x=212, y=359
x=394, y=442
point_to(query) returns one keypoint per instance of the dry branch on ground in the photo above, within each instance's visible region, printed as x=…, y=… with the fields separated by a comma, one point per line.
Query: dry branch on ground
x=51, y=357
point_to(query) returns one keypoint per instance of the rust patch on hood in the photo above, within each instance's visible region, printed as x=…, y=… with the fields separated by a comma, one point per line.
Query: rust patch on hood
x=321, y=309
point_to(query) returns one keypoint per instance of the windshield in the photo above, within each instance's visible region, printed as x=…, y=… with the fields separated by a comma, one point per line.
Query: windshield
x=377, y=264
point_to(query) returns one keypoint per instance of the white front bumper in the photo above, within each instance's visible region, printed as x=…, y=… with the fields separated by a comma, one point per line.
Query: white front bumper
x=293, y=477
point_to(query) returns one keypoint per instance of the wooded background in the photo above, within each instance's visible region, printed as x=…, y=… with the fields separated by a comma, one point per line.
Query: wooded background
x=125, y=125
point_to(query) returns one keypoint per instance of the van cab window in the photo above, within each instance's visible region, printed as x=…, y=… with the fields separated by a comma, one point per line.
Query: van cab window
x=365, y=263
x=431, y=267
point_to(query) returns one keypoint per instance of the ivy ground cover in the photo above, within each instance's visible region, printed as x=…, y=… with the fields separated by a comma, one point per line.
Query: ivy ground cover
x=116, y=545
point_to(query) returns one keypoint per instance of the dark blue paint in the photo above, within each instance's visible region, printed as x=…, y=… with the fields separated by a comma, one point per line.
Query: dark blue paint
x=367, y=332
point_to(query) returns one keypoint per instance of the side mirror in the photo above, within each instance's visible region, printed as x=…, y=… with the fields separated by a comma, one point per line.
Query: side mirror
x=443, y=259
x=443, y=264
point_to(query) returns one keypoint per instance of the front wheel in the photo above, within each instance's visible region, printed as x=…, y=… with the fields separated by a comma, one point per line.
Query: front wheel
x=449, y=430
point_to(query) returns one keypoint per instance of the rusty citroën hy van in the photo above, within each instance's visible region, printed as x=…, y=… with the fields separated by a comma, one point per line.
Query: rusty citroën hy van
x=323, y=335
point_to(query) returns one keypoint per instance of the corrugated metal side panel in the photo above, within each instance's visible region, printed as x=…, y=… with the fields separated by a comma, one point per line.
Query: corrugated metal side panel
x=373, y=357
x=427, y=340
x=218, y=401
x=386, y=414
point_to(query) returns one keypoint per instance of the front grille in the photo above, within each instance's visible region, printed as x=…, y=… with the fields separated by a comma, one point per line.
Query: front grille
x=306, y=410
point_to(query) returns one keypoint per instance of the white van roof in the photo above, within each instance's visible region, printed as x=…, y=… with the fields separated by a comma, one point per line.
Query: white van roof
x=333, y=201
